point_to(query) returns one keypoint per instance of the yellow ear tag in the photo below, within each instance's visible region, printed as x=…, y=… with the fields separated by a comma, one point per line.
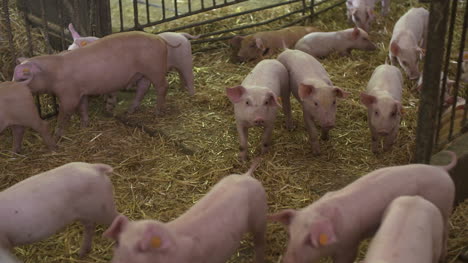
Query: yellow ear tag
x=323, y=239
x=25, y=70
x=465, y=56
x=156, y=242
x=84, y=43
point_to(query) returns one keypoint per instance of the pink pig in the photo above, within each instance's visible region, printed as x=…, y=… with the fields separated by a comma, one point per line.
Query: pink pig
x=79, y=41
x=18, y=110
x=256, y=101
x=321, y=44
x=312, y=87
x=103, y=67
x=409, y=40
x=41, y=205
x=361, y=12
x=412, y=230
x=335, y=224
x=209, y=232
x=383, y=102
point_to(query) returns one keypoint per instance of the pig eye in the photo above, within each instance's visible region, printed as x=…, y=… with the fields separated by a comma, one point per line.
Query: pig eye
x=404, y=63
x=316, y=104
x=247, y=102
x=266, y=102
x=393, y=114
x=334, y=102
x=376, y=113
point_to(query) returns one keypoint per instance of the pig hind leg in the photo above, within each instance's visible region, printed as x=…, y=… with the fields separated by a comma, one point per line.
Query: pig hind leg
x=266, y=137
x=18, y=133
x=186, y=76
x=258, y=231
x=42, y=128
x=88, y=234
x=143, y=85
x=83, y=109
x=68, y=105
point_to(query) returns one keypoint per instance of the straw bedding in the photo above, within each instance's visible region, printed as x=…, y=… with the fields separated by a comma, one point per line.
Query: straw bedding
x=163, y=169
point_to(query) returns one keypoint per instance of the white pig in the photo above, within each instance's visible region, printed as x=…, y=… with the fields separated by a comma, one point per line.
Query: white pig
x=312, y=87
x=209, y=232
x=42, y=205
x=411, y=232
x=383, y=102
x=256, y=101
x=409, y=40
x=320, y=44
x=361, y=12
x=335, y=224
x=79, y=41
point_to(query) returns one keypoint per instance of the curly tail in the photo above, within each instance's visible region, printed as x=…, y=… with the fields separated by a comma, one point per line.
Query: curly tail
x=452, y=164
x=103, y=168
x=188, y=36
x=256, y=162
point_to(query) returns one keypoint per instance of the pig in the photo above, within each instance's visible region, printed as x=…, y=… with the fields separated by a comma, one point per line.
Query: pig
x=18, y=111
x=312, y=87
x=209, y=232
x=335, y=224
x=409, y=40
x=43, y=204
x=256, y=101
x=361, y=12
x=79, y=41
x=321, y=44
x=411, y=231
x=105, y=66
x=383, y=102
x=261, y=44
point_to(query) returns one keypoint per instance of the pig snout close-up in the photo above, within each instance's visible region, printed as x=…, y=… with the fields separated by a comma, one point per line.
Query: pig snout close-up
x=18, y=111
x=209, y=232
x=409, y=41
x=31, y=210
x=256, y=101
x=328, y=226
x=312, y=87
x=321, y=44
x=411, y=231
x=383, y=99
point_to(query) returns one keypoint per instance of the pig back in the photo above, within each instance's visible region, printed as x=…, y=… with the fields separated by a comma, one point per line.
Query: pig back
x=269, y=73
x=415, y=21
x=386, y=79
x=114, y=60
x=17, y=104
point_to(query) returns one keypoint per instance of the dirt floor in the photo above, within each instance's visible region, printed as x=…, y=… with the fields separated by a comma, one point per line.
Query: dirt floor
x=163, y=169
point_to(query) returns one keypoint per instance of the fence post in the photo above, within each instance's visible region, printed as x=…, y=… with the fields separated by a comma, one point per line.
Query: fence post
x=432, y=66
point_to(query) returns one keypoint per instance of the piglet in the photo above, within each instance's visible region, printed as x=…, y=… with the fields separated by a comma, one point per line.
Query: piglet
x=209, y=232
x=321, y=44
x=256, y=101
x=411, y=232
x=42, y=205
x=361, y=12
x=383, y=102
x=335, y=224
x=409, y=40
x=266, y=43
x=312, y=87
x=18, y=111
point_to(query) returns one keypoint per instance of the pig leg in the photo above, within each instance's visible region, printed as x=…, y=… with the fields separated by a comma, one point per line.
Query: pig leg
x=18, y=132
x=243, y=134
x=111, y=101
x=390, y=140
x=285, y=96
x=143, y=85
x=325, y=134
x=160, y=84
x=313, y=134
x=186, y=75
x=43, y=129
x=375, y=139
x=83, y=108
x=266, y=137
x=66, y=108
x=259, y=242
x=88, y=234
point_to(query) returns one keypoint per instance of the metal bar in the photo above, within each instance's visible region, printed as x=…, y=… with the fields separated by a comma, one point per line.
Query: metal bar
x=77, y=18
x=175, y=8
x=121, y=16
x=459, y=68
x=135, y=15
x=312, y=9
x=46, y=30
x=28, y=29
x=217, y=19
x=60, y=16
x=304, y=6
x=202, y=5
x=92, y=17
x=163, y=10
x=147, y=12
x=214, y=2
x=432, y=66
x=446, y=65
x=6, y=13
x=189, y=2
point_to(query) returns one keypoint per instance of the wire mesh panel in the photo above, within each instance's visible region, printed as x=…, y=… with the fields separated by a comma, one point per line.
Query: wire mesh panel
x=443, y=111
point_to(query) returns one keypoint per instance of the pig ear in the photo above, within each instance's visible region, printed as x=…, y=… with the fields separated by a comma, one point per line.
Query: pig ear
x=259, y=43
x=273, y=99
x=25, y=71
x=73, y=32
x=284, y=217
x=367, y=99
x=340, y=93
x=305, y=90
x=116, y=227
x=355, y=34
x=321, y=234
x=399, y=108
x=394, y=48
x=20, y=60
x=154, y=237
x=235, y=93
x=236, y=41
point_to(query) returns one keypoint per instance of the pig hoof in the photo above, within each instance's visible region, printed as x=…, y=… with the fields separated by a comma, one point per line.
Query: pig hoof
x=315, y=151
x=325, y=137
x=242, y=157
x=290, y=127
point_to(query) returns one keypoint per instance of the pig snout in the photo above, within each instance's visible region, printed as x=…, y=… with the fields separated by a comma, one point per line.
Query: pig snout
x=414, y=75
x=328, y=126
x=259, y=121
x=383, y=133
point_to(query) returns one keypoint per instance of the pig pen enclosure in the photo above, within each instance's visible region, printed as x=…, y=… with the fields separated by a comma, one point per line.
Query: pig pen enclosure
x=164, y=164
